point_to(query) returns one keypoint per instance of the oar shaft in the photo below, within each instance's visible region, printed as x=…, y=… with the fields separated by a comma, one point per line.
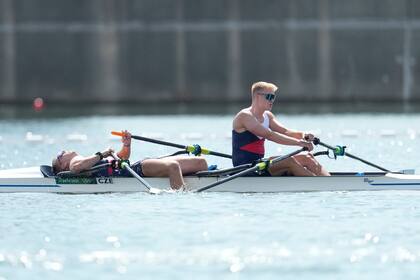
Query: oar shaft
x=151, y=140
x=354, y=157
x=125, y=165
x=230, y=178
x=366, y=162
x=170, y=144
x=158, y=142
x=135, y=175
x=219, y=154
x=280, y=158
x=258, y=166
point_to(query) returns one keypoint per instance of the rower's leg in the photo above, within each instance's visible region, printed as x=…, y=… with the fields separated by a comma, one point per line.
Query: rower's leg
x=190, y=165
x=164, y=168
x=309, y=161
x=318, y=168
x=292, y=165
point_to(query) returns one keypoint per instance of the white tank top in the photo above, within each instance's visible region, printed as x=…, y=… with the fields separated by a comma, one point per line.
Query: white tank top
x=265, y=123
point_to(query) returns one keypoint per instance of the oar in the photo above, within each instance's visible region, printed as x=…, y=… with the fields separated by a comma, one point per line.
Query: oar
x=259, y=166
x=125, y=165
x=341, y=151
x=193, y=149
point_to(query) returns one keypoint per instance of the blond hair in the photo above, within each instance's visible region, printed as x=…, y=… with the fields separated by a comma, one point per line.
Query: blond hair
x=263, y=87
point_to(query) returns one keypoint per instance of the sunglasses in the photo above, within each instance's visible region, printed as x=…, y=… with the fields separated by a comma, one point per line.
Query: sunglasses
x=269, y=96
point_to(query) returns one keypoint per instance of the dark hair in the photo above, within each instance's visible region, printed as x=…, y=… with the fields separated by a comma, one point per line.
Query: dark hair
x=55, y=166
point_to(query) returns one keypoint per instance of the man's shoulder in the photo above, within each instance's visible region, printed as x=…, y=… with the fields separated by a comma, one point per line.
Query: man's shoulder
x=241, y=118
x=244, y=112
x=76, y=159
x=269, y=113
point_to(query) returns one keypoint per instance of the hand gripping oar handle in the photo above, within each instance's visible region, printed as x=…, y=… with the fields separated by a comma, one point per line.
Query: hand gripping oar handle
x=193, y=149
x=259, y=166
x=341, y=152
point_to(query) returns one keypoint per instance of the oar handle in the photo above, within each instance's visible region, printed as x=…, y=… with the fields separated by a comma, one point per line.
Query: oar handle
x=317, y=141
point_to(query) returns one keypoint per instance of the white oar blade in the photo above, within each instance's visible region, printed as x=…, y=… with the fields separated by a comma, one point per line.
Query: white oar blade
x=155, y=191
x=169, y=190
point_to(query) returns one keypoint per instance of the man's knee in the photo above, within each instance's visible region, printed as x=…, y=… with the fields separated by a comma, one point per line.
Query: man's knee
x=200, y=164
x=172, y=165
x=311, y=159
x=292, y=161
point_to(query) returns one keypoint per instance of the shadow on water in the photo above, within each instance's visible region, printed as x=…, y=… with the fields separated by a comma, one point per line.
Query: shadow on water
x=26, y=111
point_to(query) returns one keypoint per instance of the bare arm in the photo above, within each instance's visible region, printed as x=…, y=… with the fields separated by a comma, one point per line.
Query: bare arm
x=80, y=163
x=275, y=125
x=252, y=125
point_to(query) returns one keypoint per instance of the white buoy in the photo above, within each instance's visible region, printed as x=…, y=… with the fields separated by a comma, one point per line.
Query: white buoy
x=411, y=134
x=75, y=137
x=388, y=133
x=350, y=133
x=192, y=136
x=30, y=137
x=50, y=141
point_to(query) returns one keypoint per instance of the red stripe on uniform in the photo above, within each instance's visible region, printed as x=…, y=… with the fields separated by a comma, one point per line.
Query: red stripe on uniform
x=256, y=147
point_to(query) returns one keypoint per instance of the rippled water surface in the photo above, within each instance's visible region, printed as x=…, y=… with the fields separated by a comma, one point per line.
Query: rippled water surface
x=327, y=235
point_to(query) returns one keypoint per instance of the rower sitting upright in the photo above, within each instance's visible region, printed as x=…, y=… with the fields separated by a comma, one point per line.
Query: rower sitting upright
x=173, y=167
x=252, y=125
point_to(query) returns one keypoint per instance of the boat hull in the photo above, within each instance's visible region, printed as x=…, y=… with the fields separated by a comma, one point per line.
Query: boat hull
x=31, y=180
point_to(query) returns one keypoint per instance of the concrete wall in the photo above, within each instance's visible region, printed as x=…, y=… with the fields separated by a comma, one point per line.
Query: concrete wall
x=148, y=50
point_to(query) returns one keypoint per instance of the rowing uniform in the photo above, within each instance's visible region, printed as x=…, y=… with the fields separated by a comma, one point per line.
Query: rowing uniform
x=248, y=147
x=112, y=172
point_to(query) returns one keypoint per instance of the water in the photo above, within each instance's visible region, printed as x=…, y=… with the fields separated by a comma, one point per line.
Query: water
x=328, y=235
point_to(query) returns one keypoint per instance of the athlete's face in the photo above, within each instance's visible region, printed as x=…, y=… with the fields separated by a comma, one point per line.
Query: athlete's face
x=267, y=99
x=64, y=158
